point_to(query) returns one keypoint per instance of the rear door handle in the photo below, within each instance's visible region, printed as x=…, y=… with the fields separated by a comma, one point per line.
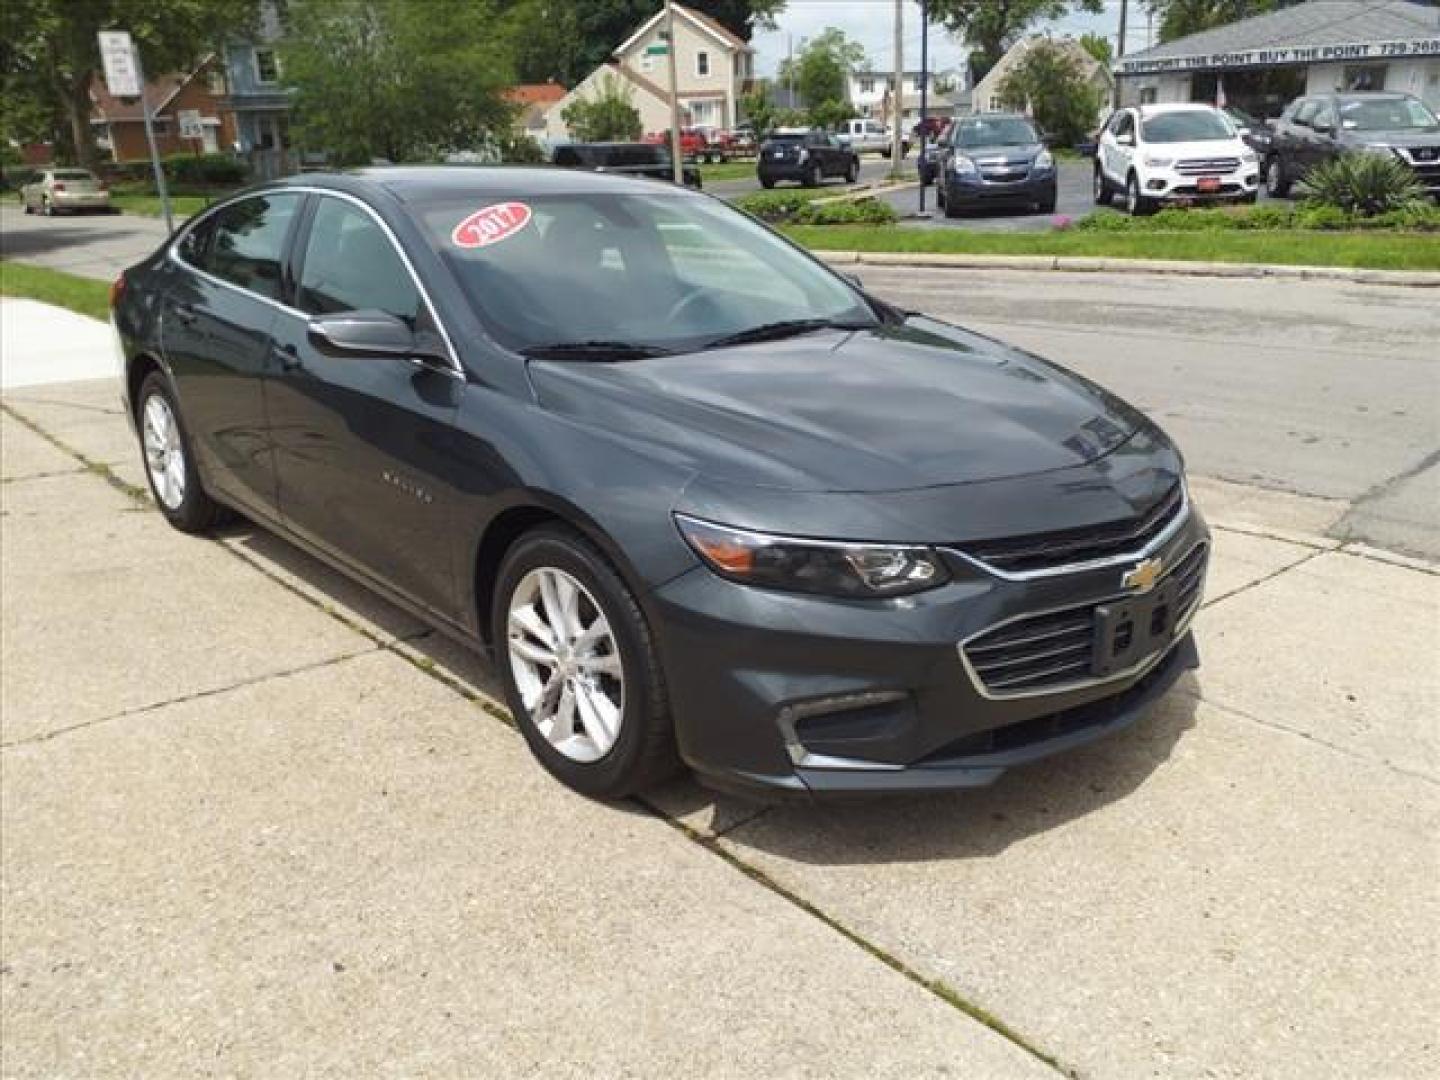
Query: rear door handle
x=186, y=314
x=289, y=357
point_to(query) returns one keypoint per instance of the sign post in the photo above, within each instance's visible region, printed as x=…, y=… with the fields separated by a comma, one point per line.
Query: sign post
x=125, y=78
x=677, y=164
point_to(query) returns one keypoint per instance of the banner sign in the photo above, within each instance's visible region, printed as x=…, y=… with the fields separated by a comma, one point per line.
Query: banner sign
x=1274, y=57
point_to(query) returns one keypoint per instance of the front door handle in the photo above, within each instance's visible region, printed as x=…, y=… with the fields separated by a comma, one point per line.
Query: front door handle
x=289, y=357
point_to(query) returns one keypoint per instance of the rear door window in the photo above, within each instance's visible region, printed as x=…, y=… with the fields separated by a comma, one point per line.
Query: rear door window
x=247, y=245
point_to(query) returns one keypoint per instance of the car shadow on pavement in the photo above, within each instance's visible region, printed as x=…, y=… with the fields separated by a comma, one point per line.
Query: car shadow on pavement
x=46, y=236
x=978, y=823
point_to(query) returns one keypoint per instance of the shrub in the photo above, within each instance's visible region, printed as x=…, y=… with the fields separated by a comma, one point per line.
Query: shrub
x=774, y=205
x=1268, y=217
x=205, y=169
x=520, y=149
x=1365, y=183
x=609, y=115
x=846, y=212
x=1323, y=216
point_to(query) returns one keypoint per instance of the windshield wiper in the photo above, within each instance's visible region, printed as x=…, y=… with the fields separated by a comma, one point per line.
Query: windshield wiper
x=785, y=328
x=594, y=350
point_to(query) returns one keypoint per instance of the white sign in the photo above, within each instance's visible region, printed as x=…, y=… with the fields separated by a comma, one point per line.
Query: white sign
x=1273, y=57
x=122, y=68
x=190, y=126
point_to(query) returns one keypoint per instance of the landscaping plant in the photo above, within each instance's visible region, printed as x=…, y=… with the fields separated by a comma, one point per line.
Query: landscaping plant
x=1364, y=183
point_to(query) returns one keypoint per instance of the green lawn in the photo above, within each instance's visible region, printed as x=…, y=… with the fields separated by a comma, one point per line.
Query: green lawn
x=727, y=170
x=182, y=206
x=1367, y=250
x=85, y=295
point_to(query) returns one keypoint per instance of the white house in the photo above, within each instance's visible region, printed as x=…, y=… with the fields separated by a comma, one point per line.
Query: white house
x=986, y=97
x=869, y=91
x=712, y=69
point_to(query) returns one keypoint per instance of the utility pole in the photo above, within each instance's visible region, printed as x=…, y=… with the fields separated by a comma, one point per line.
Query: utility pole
x=676, y=163
x=924, y=91
x=897, y=97
x=1120, y=49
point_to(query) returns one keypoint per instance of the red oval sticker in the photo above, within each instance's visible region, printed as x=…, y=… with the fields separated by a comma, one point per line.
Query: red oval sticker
x=491, y=224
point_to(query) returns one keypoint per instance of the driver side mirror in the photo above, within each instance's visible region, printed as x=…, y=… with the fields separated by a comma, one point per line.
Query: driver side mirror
x=1125, y=140
x=373, y=333
x=1322, y=128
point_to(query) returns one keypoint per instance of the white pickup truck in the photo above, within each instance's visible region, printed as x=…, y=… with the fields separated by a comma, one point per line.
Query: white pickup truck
x=864, y=136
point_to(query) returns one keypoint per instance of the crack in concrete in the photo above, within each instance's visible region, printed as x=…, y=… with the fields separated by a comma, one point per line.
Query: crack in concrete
x=99, y=468
x=1315, y=553
x=197, y=695
x=43, y=476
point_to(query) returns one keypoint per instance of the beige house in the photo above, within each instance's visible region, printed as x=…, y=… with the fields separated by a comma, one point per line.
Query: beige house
x=712, y=69
x=986, y=97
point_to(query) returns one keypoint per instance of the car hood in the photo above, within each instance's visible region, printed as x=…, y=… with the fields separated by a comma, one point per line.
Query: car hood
x=896, y=408
x=1404, y=137
x=1203, y=148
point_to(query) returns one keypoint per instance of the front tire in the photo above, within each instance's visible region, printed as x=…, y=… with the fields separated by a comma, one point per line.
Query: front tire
x=1103, y=195
x=852, y=172
x=579, y=666
x=47, y=207
x=170, y=461
x=1136, y=204
x=1277, y=183
x=813, y=176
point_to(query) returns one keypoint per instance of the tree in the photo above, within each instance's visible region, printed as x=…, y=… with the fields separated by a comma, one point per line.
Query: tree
x=758, y=108
x=565, y=40
x=1098, y=46
x=1048, y=82
x=992, y=26
x=51, y=53
x=1180, y=17
x=822, y=69
x=393, y=79
x=609, y=116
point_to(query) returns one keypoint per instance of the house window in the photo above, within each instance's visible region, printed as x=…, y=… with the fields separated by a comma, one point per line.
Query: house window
x=267, y=66
x=215, y=81
x=867, y=86
x=1147, y=95
x=702, y=64
x=1364, y=77
x=995, y=104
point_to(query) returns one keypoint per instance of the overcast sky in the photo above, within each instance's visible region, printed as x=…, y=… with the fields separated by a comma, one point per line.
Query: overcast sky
x=871, y=22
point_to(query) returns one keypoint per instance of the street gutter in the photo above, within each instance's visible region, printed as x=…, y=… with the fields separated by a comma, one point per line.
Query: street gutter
x=1084, y=264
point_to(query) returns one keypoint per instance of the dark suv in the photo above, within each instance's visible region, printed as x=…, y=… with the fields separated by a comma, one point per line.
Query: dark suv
x=1321, y=127
x=627, y=159
x=807, y=157
x=994, y=160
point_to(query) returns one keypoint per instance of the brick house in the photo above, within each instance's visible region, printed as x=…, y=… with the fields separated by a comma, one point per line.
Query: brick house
x=120, y=125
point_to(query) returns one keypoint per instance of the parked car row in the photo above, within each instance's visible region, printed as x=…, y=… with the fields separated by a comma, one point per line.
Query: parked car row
x=709, y=144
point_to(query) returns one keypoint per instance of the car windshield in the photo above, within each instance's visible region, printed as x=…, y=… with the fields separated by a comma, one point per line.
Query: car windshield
x=1002, y=132
x=666, y=272
x=1386, y=114
x=1191, y=126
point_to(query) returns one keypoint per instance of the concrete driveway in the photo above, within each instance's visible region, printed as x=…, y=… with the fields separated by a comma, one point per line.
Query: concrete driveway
x=258, y=822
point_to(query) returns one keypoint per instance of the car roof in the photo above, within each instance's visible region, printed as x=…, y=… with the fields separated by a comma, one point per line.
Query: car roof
x=981, y=117
x=1174, y=106
x=431, y=183
x=1368, y=95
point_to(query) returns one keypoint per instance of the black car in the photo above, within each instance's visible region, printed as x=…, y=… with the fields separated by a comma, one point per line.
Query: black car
x=994, y=160
x=649, y=160
x=1321, y=127
x=806, y=157
x=701, y=498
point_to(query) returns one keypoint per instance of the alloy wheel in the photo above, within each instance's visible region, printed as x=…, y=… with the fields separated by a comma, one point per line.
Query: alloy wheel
x=164, y=452
x=1272, y=178
x=1132, y=197
x=566, y=662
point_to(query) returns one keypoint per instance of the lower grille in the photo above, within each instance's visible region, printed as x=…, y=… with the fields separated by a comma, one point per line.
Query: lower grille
x=1056, y=649
x=1044, y=551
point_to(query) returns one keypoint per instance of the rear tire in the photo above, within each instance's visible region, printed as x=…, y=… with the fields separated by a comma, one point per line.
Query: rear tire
x=766, y=183
x=598, y=716
x=47, y=207
x=813, y=176
x=1047, y=206
x=170, y=460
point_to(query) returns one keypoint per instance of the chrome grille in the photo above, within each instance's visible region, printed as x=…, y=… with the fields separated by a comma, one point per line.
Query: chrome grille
x=1045, y=551
x=1050, y=651
x=1202, y=166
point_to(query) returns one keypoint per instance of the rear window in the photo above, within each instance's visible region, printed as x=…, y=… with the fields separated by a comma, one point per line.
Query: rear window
x=73, y=174
x=788, y=138
x=636, y=154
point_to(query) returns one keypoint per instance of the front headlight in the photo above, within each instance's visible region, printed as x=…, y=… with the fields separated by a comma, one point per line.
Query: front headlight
x=830, y=568
x=1044, y=160
x=1159, y=162
x=1249, y=157
x=962, y=165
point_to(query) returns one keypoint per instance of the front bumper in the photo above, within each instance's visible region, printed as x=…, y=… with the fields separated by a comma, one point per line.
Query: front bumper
x=1174, y=187
x=785, y=693
x=974, y=191
x=782, y=170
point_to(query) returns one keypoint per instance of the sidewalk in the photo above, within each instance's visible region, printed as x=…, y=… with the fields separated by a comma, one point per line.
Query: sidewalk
x=255, y=821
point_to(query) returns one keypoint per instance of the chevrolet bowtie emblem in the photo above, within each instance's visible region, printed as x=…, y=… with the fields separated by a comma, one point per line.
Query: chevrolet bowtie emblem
x=1142, y=576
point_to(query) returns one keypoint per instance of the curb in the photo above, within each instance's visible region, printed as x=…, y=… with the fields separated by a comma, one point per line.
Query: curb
x=1082, y=264
x=866, y=191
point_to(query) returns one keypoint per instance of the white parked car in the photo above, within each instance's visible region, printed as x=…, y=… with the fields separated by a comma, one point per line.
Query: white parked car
x=870, y=136
x=1156, y=155
x=55, y=189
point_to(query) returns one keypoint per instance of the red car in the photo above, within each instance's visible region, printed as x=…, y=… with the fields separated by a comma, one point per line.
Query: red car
x=693, y=143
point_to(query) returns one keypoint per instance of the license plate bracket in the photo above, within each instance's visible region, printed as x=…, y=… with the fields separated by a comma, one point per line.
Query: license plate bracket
x=1208, y=184
x=1128, y=630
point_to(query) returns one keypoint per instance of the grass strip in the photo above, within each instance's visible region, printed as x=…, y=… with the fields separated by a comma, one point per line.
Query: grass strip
x=79, y=294
x=1360, y=250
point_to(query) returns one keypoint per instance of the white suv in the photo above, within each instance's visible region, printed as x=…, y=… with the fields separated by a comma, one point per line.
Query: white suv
x=1176, y=154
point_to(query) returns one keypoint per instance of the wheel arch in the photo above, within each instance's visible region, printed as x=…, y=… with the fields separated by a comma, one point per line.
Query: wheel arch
x=527, y=511
x=137, y=369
